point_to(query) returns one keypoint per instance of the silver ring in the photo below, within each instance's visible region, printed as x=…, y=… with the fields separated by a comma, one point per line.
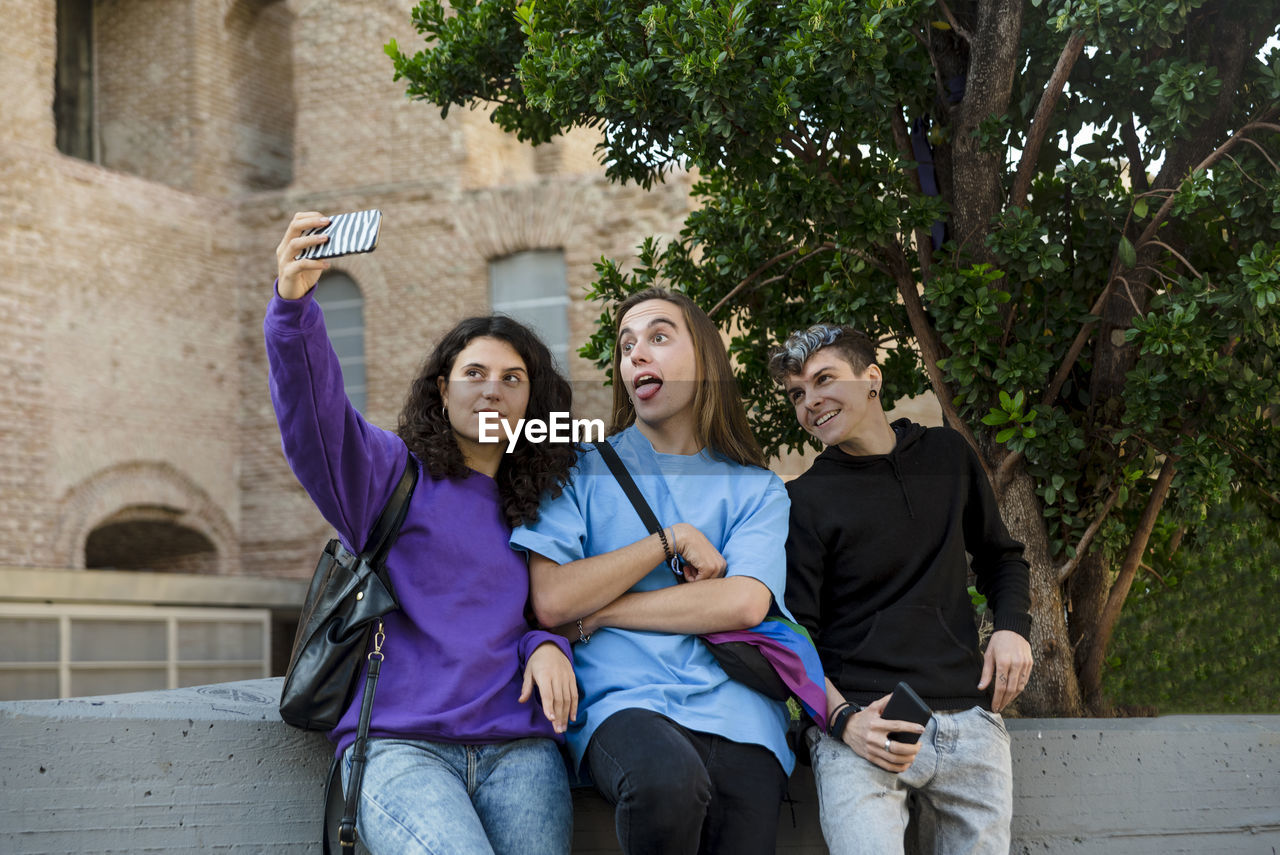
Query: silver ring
x=886, y=745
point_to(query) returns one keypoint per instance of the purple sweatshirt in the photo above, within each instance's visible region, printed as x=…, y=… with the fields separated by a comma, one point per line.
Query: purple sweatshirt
x=456, y=648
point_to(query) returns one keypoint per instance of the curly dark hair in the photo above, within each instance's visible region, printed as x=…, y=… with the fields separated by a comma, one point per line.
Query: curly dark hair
x=529, y=471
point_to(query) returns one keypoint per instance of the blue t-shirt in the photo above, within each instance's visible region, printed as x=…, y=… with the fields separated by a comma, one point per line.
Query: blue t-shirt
x=743, y=511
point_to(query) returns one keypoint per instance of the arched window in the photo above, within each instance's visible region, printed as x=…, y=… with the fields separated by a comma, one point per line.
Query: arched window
x=532, y=288
x=148, y=538
x=339, y=297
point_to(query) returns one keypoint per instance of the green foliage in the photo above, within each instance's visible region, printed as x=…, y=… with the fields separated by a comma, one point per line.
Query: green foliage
x=794, y=115
x=1194, y=639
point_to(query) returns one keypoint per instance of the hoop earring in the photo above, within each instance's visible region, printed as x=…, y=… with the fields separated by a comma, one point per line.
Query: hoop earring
x=874, y=393
x=445, y=412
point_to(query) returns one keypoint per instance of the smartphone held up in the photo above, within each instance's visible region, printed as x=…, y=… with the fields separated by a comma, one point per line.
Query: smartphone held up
x=349, y=234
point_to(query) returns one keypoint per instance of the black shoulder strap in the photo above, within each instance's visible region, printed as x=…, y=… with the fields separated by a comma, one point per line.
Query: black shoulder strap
x=619, y=470
x=387, y=528
x=340, y=807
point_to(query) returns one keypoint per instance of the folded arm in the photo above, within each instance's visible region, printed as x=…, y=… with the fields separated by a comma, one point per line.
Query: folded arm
x=563, y=593
x=713, y=605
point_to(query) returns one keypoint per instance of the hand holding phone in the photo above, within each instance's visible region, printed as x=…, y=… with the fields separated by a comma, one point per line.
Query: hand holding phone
x=349, y=234
x=906, y=705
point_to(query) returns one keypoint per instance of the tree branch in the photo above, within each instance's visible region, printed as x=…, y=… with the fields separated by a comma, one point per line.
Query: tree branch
x=826, y=247
x=1145, y=566
x=951, y=19
x=1259, y=465
x=1040, y=121
x=1148, y=236
x=1091, y=673
x=930, y=347
x=1263, y=152
x=1086, y=540
x=757, y=273
x=1133, y=148
x=1214, y=157
x=1064, y=371
x=1178, y=256
x=1264, y=188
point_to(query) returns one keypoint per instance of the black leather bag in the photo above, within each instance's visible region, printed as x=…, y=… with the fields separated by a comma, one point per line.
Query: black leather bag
x=743, y=662
x=348, y=595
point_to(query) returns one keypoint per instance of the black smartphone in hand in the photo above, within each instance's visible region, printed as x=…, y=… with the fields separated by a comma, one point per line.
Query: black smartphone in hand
x=905, y=705
x=348, y=234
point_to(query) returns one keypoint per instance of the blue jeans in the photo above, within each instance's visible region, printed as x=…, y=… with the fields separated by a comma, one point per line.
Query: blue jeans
x=963, y=771
x=431, y=798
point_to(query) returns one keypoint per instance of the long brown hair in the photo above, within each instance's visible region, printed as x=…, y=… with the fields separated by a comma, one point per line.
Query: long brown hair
x=721, y=423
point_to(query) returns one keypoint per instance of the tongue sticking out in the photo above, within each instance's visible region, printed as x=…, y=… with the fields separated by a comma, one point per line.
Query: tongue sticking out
x=647, y=388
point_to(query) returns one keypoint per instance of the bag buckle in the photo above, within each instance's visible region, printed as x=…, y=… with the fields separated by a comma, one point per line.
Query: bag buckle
x=347, y=835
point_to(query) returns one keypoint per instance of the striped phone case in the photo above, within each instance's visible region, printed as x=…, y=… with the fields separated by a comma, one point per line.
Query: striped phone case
x=348, y=235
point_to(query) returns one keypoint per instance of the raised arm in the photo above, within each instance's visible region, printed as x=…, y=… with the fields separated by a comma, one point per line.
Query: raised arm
x=347, y=466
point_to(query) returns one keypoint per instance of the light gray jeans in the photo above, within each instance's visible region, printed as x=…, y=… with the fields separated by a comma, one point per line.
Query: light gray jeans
x=963, y=771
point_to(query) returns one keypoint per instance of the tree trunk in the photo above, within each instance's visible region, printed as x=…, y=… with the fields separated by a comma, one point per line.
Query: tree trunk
x=1054, y=689
x=1087, y=593
x=978, y=170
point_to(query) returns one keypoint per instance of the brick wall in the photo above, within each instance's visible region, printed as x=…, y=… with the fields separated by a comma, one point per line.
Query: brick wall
x=131, y=292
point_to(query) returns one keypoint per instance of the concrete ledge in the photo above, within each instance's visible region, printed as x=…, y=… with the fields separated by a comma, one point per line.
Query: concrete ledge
x=214, y=769
x=133, y=587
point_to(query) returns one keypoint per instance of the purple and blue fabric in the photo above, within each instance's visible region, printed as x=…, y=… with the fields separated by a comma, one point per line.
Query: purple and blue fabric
x=788, y=648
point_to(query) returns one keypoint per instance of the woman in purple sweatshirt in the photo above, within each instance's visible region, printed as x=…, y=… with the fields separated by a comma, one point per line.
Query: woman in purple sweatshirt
x=459, y=760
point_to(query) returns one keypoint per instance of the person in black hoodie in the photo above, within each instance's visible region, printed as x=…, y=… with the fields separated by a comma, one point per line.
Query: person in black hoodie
x=877, y=573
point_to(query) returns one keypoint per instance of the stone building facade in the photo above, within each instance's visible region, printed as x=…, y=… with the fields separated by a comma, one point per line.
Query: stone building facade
x=151, y=154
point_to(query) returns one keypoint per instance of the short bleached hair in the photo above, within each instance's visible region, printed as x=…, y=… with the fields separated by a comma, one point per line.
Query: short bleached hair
x=855, y=346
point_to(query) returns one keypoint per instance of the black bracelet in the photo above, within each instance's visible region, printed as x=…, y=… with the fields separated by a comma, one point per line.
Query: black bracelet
x=666, y=550
x=831, y=718
x=840, y=719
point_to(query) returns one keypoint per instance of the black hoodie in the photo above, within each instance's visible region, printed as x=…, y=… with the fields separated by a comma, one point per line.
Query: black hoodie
x=877, y=571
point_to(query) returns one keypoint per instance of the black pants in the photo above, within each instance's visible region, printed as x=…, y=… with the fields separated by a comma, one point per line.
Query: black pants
x=679, y=792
